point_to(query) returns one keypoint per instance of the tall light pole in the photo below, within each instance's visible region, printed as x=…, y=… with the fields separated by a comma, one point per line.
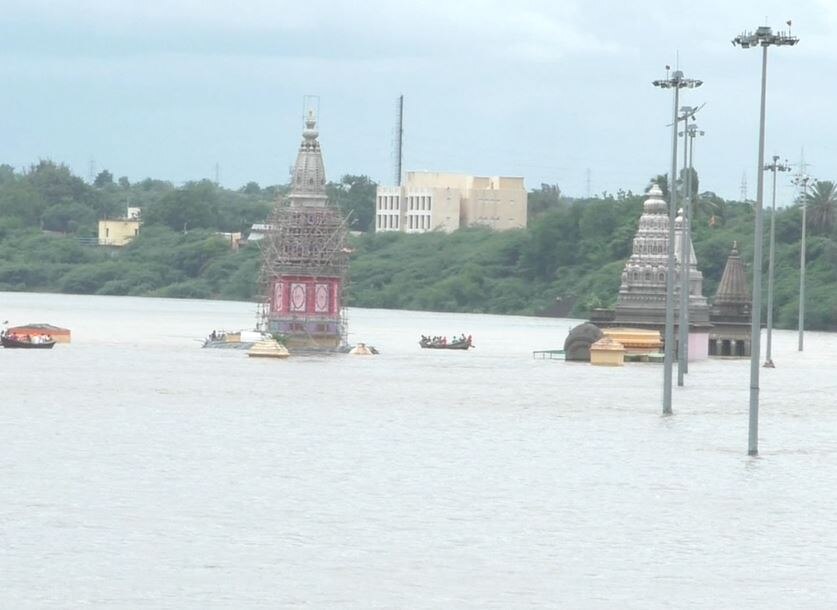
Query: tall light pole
x=763, y=37
x=774, y=167
x=687, y=112
x=683, y=316
x=677, y=82
x=691, y=132
x=802, y=181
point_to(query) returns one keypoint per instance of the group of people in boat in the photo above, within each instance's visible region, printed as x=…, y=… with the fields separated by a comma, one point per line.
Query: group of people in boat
x=443, y=341
x=217, y=336
x=27, y=338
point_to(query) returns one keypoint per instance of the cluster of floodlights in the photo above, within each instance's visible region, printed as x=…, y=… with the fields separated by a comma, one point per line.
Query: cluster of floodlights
x=764, y=37
x=677, y=80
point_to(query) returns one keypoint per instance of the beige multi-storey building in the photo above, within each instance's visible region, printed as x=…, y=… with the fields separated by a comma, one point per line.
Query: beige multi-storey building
x=434, y=201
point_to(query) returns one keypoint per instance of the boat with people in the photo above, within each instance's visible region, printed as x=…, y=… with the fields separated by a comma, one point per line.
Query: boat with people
x=239, y=339
x=15, y=341
x=440, y=342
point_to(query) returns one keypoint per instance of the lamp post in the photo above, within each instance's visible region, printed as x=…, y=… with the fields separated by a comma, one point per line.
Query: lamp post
x=692, y=132
x=683, y=319
x=763, y=37
x=802, y=181
x=677, y=82
x=774, y=167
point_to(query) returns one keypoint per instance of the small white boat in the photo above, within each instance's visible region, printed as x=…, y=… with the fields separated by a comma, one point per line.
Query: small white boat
x=239, y=339
x=268, y=348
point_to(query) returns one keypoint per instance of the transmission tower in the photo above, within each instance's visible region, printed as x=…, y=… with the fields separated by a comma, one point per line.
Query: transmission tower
x=588, y=183
x=743, y=192
x=801, y=177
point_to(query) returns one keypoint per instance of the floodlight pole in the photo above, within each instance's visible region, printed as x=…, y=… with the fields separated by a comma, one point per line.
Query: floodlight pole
x=763, y=37
x=802, y=264
x=685, y=252
x=691, y=132
x=774, y=167
x=676, y=82
x=683, y=315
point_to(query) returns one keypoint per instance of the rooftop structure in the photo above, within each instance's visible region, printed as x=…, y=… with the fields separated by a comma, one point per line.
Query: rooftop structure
x=119, y=231
x=305, y=257
x=436, y=201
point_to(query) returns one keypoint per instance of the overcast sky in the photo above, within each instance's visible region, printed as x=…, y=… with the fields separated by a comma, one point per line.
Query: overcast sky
x=543, y=89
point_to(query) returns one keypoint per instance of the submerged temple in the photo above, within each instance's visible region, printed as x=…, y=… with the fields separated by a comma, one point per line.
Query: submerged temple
x=305, y=257
x=731, y=311
x=723, y=330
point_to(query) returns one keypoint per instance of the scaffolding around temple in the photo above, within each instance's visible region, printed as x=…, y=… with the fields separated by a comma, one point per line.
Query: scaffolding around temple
x=304, y=275
x=305, y=258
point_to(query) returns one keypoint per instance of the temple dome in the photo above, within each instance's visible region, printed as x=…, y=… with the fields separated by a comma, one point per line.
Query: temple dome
x=308, y=180
x=655, y=204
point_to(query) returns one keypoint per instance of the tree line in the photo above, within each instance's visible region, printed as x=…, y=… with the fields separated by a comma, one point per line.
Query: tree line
x=569, y=259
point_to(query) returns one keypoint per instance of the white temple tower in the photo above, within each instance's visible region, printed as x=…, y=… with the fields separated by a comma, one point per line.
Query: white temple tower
x=642, y=294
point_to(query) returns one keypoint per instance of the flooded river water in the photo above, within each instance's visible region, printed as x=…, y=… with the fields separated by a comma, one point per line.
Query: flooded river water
x=139, y=471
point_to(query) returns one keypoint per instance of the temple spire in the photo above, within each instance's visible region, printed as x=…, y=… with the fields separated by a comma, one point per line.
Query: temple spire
x=308, y=185
x=733, y=291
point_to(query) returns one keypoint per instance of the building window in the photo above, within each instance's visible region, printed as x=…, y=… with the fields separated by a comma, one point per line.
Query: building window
x=429, y=203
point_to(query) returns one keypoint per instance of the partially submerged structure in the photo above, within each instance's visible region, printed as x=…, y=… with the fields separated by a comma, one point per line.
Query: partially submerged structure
x=578, y=342
x=641, y=302
x=305, y=257
x=731, y=311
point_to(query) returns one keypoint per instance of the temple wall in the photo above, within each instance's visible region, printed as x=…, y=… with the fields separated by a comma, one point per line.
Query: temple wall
x=698, y=346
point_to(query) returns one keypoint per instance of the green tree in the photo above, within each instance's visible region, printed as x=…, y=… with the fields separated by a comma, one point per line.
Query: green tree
x=193, y=206
x=541, y=200
x=56, y=184
x=355, y=195
x=660, y=180
x=21, y=205
x=251, y=188
x=68, y=218
x=103, y=179
x=821, y=201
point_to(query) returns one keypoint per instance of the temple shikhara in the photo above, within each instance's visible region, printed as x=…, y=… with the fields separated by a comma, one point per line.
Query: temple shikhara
x=641, y=302
x=730, y=335
x=305, y=257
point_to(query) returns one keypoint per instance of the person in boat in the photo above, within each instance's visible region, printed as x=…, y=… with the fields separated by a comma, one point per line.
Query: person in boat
x=213, y=336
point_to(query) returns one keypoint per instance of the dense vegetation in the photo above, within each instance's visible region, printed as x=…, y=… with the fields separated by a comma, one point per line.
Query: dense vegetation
x=568, y=259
